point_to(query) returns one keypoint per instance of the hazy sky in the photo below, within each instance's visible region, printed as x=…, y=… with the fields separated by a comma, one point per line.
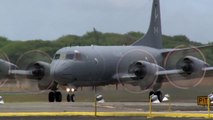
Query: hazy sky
x=50, y=19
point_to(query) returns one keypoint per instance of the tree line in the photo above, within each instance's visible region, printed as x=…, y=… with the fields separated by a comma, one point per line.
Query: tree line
x=14, y=49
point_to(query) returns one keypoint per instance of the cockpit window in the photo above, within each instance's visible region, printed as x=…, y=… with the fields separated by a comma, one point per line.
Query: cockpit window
x=69, y=56
x=57, y=56
x=77, y=55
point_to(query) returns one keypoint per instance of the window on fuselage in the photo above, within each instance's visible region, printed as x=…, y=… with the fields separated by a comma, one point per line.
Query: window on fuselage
x=70, y=56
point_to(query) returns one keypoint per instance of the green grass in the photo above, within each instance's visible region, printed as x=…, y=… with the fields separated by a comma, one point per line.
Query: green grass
x=110, y=94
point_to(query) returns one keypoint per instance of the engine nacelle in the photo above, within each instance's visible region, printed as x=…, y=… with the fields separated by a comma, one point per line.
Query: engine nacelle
x=5, y=67
x=41, y=72
x=192, y=65
x=145, y=73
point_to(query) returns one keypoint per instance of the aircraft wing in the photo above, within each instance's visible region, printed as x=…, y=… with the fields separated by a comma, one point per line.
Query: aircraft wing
x=165, y=52
x=20, y=72
x=207, y=71
x=36, y=71
x=5, y=66
x=182, y=80
x=175, y=75
x=188, y=68
x=39, y=71
x=169, y=72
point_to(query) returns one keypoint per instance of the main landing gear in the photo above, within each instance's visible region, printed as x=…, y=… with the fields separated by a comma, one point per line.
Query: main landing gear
x=55, y=96
x=158, y=94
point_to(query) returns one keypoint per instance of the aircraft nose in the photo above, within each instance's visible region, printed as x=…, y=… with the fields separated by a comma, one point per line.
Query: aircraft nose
x=61, y=71
x=58, y=73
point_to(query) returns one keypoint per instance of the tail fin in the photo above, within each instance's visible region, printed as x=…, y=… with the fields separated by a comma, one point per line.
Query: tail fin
x=153, y=36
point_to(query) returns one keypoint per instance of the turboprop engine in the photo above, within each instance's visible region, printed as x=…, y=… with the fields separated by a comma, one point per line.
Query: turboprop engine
x=41, y=72
x=145, y=73
x=192, y=66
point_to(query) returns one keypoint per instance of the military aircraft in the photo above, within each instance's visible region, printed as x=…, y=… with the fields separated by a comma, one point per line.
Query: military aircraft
x=143, y=64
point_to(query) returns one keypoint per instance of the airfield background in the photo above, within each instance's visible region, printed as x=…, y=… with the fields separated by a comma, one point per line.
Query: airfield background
x=14, y=49
x=25, y=90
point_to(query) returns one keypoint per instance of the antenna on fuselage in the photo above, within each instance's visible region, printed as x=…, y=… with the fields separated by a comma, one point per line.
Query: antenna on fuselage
x=96, y=35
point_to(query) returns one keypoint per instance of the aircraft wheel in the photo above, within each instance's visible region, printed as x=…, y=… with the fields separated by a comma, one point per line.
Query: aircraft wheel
x=151, y=93
x=58, y=96
x=160, y=95
x=51, y=97
x=68, y=98
x=72, y=97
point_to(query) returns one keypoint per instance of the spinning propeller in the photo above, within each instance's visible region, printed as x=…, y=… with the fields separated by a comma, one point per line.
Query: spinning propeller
x=191, y=62
x=5, y=67
x=137, y=68
x=37, y=63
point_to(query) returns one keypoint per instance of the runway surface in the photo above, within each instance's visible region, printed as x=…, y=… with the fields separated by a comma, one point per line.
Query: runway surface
x=93, y=118
x=103, y=107
x=105, y=111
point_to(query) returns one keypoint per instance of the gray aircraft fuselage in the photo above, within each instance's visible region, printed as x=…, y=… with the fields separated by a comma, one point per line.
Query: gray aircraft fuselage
x=98, y=65
x=103, y=65
x=143, y=64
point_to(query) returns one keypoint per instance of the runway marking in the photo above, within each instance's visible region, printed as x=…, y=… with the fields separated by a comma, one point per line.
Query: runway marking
x=104, y=106
x=107, y=114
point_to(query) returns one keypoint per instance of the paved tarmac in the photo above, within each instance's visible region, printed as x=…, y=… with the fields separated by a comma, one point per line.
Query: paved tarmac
x=104, y=107
x=105, y=111
x=93, y=118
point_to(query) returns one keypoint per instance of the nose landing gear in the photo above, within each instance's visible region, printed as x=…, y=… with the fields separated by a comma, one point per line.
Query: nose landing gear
x=70, y=97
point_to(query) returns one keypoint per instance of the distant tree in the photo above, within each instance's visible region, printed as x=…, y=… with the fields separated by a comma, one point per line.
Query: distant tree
x=16, y=48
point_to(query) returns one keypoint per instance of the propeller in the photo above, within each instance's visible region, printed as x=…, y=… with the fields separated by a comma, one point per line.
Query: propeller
x=132, y=71
x=35, y=61
x=182, y=60
x=3, y=59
